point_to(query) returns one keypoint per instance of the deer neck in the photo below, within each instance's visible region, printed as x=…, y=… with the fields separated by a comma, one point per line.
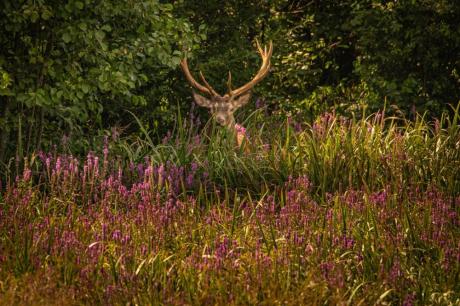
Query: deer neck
x=240, y=134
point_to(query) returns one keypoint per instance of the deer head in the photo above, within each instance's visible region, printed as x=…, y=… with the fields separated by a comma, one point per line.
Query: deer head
x=223, y=107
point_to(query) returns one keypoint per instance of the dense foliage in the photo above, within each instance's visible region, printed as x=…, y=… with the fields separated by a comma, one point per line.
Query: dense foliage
x=362, y=52
x=76, y=66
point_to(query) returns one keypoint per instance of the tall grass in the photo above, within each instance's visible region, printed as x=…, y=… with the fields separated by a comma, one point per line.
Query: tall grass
x=342, y=211
x=334, y=152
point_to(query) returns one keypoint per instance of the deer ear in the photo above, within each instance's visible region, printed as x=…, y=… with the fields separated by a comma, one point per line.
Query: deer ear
x=241, y=101
x=201, y=101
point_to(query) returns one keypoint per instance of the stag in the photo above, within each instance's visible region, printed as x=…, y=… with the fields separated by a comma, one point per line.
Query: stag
x=223, y=107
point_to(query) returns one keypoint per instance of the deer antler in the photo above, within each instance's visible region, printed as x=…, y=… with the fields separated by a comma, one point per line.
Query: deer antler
x=263, y=71
x=207, y=89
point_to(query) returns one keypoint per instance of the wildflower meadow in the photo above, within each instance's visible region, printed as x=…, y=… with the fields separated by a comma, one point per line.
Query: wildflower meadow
x=339, y=212
x=265, y=152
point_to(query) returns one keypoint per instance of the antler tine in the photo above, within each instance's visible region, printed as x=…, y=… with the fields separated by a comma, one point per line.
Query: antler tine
x=258, y=47
x=211, y=90
x=265, y=60
x=205, y=89
x=263, y=71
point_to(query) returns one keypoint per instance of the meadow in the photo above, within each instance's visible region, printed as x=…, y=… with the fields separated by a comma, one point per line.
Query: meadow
x=336, y=212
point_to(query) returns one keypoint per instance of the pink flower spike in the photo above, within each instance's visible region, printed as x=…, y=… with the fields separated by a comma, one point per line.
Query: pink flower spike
x=240, y=129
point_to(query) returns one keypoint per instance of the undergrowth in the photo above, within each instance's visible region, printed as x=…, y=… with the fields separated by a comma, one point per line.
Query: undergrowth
x=341, y=211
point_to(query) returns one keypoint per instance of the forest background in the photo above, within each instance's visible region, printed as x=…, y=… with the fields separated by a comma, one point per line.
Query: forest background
x=77, y=68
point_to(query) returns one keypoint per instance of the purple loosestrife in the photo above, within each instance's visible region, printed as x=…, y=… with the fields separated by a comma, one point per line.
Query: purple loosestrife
x=57, y=167
x=116, y=235
x=451, y=257
x=189, y=181
x=96, y=167
x=298, y=127
x=395, y=274
x=26, y=175
x=105, y=152
x=69, y=242
x=223, y=249
x=126, y=239
x=167, y=138
x=321, y=126
x=194, y=167
x=105, y=149
x=409, y=299
x=345, y=242
x=379, y=198
x=354, y=200
x=332, y=274
x=48, y=164
x=260, y=103
x=437, y=126
x=140, y=170
x=298, y=240
x=123, y=239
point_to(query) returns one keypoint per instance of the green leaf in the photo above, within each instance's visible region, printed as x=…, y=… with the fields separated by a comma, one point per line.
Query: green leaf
x=79, y=5
x=6, y=92
x=85, y=88
x=83, y=26
x=34, y=16
x=175, y=60
x=66, y=37
x=106, y=28
x=100, y=35
x=103, y=46
x=46, y=14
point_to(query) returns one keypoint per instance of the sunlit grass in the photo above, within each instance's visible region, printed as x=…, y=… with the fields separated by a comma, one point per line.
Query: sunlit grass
x=340, y=211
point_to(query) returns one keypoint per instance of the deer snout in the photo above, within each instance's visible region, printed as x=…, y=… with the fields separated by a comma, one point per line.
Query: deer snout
x=221, y=119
